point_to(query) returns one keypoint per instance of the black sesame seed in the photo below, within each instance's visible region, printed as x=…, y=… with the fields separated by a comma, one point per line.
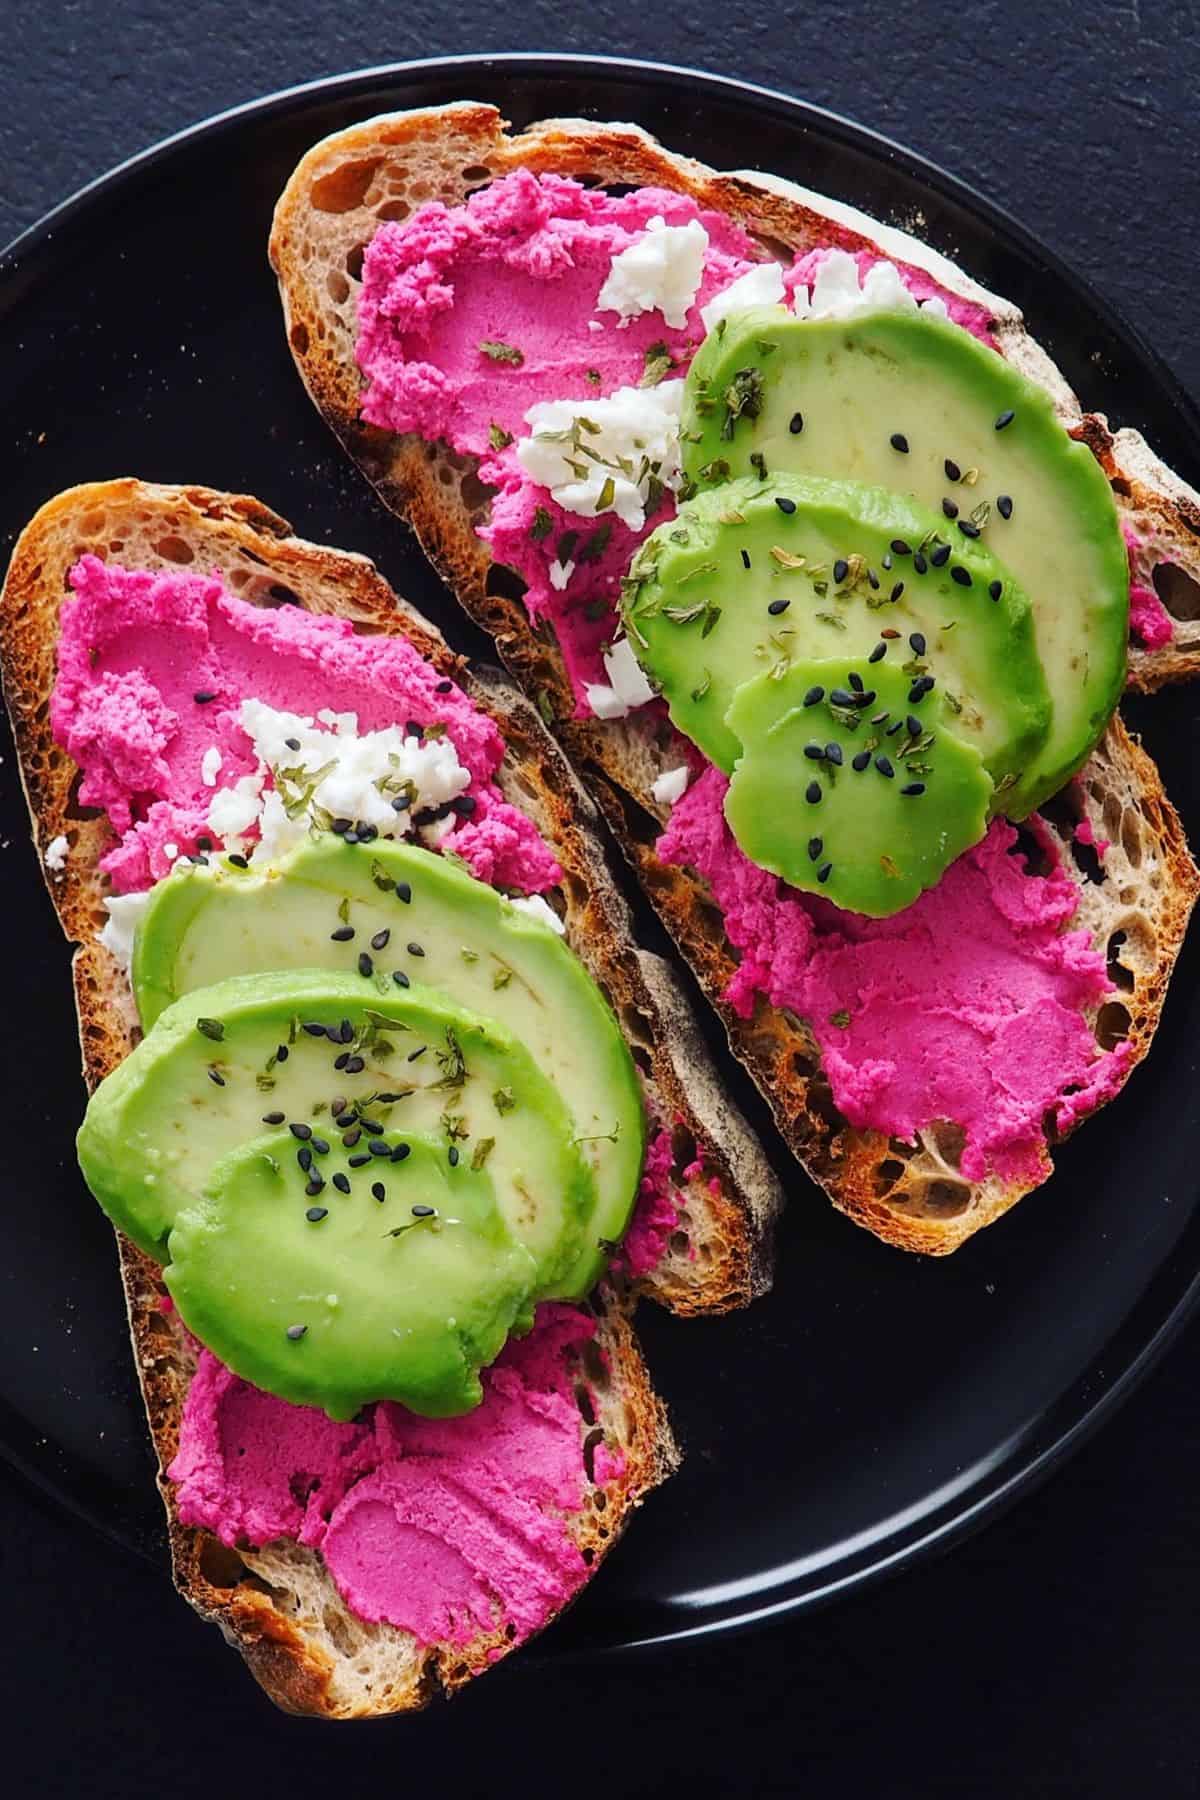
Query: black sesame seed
x=878, y=653
x=346, y=1032
x=313, y=1029
x=860, y=761
x=899, y=442
x=273, y=1118
x=378, y=1147
x=304, y=1158
x=796, y=425
x=917, y=642
x=365, y=965
x=320, y=1146
x=1005, y=418
x=372, y=1127
x=415, y=950
x=865, y=699
x=940, y=557
x=292, y=743
x=961, y=575
x=340, y=826
x=778, y=606
x=897, y=590
x=1004, y=505
x=314, y=1214
x=925, y=683
x=380, y=940
x=884, y=766
x=404, y=893
x=745, y=559
x=825, y=871
x=355, y=1065
x=968, y=529
x=950, y=508
x=784, y=504
x=342, y=935
x=337, y=1106
x=367, y=833
x=204, y=843
x=378, y=1190
x=452, y=1156
x=281, y=1053
x=815, y=752
x=919, y=563
x=401, y=1152
x=901, y=548
x=895, y=726
x=872, y=578
x=464, y=805
x=340, y=1062
x=443, y=687
x=840, y=697
x=341, y=1182
x=841, y=569
x=815, y=847
x=295, y=1332
x=813, y=792
x=343, y=1119
x=855, y=680
x=419, y=1051
x=303, y=1132
x=913, y=788
x=813, y=695
x=400, y=978
x=953, y=472
x=413, y=729
x=352, y=1136
x=833, y=754
x=204, y=696
x=915, y=727
x=350, y=837
x=358, y=1162
x=216, y=1076
x=238, y=860
x=995, y=589
x=314, y=1186
x=424, y=1212
x=886, y=559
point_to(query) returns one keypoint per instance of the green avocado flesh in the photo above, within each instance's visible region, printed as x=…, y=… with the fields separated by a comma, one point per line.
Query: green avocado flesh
x=875, y=811
x=338, y=1299
x=889, y=398
x=752, y=578
x=205, y=924
x=224, y=1061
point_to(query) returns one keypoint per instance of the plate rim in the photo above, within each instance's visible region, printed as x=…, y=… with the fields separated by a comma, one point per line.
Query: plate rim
x=1091, y=1399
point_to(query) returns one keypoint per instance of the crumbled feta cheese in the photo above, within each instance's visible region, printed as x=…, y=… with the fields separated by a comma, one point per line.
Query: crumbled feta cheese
x=838, y=291
x=671, y=785
x=210, y=766
x=627, y=687
x=538, y=908
x=595, y=325
x=434, y=835
x=560, y=573
x=124, y=915
x=660, y=272
x=760, y=286
x=57, y=851
x=277, y=834
x=631, y=440
x=235, y=809
x=171, y=852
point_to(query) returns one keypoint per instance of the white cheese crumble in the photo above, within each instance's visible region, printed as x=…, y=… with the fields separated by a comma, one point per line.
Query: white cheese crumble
x=609, y=454
x=332, y=766
x=171, y=852
x=124, y=915
x=560, y=573
x=540, y=909
x=57, y=851
x=671, y=785
x=627, y=685
x=210, y=766
x=760, y=286
x=839, y=291
x=659, y=272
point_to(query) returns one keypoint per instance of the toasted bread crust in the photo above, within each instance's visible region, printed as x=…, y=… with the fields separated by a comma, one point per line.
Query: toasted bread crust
x=332, y=204
x=275, y=1604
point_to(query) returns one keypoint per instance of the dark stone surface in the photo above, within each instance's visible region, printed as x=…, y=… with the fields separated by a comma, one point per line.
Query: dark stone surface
x=1055, y=1652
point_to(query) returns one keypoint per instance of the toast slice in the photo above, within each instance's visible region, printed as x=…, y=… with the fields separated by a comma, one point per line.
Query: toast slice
x=340, y=192
x=278, y=1604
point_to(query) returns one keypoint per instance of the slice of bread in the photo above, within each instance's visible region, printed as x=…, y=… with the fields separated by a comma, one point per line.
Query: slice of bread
x=278, y=1604
x=339, y=194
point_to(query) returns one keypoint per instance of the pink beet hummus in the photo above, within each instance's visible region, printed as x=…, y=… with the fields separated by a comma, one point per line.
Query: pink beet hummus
x=444, y=1527
x=1149, y=621
x=968, y=1006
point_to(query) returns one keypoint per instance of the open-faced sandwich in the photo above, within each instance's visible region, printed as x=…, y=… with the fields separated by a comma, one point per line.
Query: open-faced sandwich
x=826, y=583
x=393, y=1116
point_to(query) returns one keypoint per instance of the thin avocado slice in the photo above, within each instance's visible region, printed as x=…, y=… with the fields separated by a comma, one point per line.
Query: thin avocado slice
x=344, y=1297
x=866, y=805
x=422, y=915
x=757, y=576
x=222, y=1063
x=916, y=405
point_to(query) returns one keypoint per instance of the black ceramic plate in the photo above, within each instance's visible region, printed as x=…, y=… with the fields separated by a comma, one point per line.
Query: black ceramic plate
x=874, y=1405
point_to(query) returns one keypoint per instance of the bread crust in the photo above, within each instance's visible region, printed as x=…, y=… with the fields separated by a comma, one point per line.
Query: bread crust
x=335, y=199
x=278, y=1605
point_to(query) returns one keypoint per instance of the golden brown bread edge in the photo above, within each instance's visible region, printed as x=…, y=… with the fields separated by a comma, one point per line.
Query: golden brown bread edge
x=277, y=1605
x=341, y=190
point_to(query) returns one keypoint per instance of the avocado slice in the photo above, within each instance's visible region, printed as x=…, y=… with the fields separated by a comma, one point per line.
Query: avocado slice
x=756, y=576
x=222, y=1063
x=879, y=799
x=916, y=405
x=205, y=924
x=341, y=1298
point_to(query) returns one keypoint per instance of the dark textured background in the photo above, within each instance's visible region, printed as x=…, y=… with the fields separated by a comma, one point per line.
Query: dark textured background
x=1054, y=1653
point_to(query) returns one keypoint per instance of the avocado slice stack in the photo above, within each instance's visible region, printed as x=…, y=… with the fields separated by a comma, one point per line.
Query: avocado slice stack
x=378, y=1115
x=890, y=543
